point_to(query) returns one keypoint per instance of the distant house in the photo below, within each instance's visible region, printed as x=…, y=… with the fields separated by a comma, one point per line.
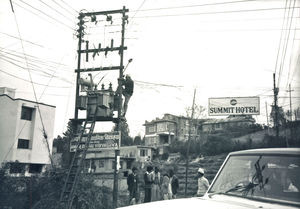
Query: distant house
x=22, y=142
x=162, y=131
x=103, y=162
x=215, y=125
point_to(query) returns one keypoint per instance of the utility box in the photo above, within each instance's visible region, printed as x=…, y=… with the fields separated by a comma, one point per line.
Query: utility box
x=82, y=102
x=101, y=99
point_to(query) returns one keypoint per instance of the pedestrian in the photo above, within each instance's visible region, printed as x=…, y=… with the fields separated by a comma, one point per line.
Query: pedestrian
x=127, y=92
x=165, y=187
x=133, y=186
x=173, y=185
x=156, y=193
x=203, y=183
x=148, y=178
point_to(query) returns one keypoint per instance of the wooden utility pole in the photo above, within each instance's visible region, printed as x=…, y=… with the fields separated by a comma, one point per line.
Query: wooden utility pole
x=80, y=30
x=267, y=117
x=275, y=90
x=119, y=127
x=189, y=141
x=290, y=95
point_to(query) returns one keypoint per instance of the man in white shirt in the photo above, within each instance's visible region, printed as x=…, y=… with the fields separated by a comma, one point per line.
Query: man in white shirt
x=203, y=183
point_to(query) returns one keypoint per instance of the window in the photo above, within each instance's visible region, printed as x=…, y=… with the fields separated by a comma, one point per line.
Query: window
x=101, y=163
x=23, y=144
x=143, y=152
x=26, y=113
x=35, y=168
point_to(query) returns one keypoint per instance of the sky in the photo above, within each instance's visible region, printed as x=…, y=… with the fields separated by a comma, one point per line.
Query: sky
x=221, y=48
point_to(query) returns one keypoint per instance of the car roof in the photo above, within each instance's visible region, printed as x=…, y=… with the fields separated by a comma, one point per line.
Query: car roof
x=277, y=151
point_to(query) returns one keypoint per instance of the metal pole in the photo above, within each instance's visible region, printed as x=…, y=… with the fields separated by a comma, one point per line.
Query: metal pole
x=78, y=65
x=117, y=152
x=275, y=108
x=291, y=113
x=188, y=147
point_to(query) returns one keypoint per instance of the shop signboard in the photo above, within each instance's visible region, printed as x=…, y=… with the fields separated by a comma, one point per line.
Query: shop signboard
x=99, y=142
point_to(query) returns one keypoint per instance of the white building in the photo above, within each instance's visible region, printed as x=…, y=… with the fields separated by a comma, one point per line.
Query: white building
x=21, y=133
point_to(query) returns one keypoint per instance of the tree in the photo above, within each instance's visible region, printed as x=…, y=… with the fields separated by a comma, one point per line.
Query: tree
x=126, y=140
x=137, y=140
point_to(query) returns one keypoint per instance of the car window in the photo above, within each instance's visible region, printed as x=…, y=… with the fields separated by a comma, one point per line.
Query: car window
x=259, y=176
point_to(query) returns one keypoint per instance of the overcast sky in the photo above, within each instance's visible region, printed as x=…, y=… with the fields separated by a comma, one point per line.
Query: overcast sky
x=221, y=48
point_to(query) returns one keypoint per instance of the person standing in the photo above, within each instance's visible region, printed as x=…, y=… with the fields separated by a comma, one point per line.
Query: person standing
x=148, y=178
x=173, y=185
x=165, y=187
x=156, y=193
x=127, y=92
x=133, y=188
x=203, y=183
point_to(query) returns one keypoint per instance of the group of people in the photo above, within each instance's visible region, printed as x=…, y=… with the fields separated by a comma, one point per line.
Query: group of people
x=157, y=187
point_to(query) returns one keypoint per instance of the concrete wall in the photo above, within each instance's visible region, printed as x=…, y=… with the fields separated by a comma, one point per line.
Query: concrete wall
x=12, y=127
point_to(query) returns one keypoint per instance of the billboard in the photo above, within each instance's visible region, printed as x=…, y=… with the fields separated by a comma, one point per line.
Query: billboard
x=99, y=142
x=225, y=106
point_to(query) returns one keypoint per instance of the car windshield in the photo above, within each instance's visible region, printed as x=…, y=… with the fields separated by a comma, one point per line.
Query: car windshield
x=260, y=176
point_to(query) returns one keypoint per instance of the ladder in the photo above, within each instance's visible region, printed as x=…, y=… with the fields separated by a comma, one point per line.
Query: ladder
x=67, y=194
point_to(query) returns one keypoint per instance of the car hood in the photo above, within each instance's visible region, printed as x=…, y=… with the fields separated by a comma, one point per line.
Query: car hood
x=209, y=203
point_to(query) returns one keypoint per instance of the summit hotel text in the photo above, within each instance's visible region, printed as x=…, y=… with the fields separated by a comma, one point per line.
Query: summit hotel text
x=233, y=110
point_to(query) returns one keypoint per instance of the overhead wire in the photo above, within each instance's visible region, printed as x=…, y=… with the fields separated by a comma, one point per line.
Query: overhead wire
x=42, y=123
x=195, y=5
x=35, y=62
x=35, y=58
x=63, y=7
x=290, y=62
x=30, y=42
x=69, y=6
x=57, y=11
x=216, y=12
x=286, y=42
x=56, y=20
x=39, y=16
x=39, y=71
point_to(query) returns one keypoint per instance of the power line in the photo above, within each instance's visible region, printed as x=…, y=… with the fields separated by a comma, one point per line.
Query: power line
x=35, y=58
x=157, y=84
x=218, y=12
x=37, y=62
x=40, y=84
x=69, y=6
x=196, y=5
x=41, y=17
x=63, y=7
x=23, y=40
x=286, y=42
x=45, y=74
x=38, y=107
x=47, y=15
x=57, y=11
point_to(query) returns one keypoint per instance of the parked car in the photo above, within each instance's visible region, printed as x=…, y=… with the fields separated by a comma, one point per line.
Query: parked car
x=258, y=178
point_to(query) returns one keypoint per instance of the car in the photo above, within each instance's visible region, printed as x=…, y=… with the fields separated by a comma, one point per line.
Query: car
x=257, y=178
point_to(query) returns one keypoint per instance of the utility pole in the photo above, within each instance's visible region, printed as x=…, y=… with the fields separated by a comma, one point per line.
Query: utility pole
x=189, y=141
x=80, y=34
x=291, y=111
x=290, y=95
x=120, y=49
x=117, y=151
x=267, y=117
x=275, y=90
